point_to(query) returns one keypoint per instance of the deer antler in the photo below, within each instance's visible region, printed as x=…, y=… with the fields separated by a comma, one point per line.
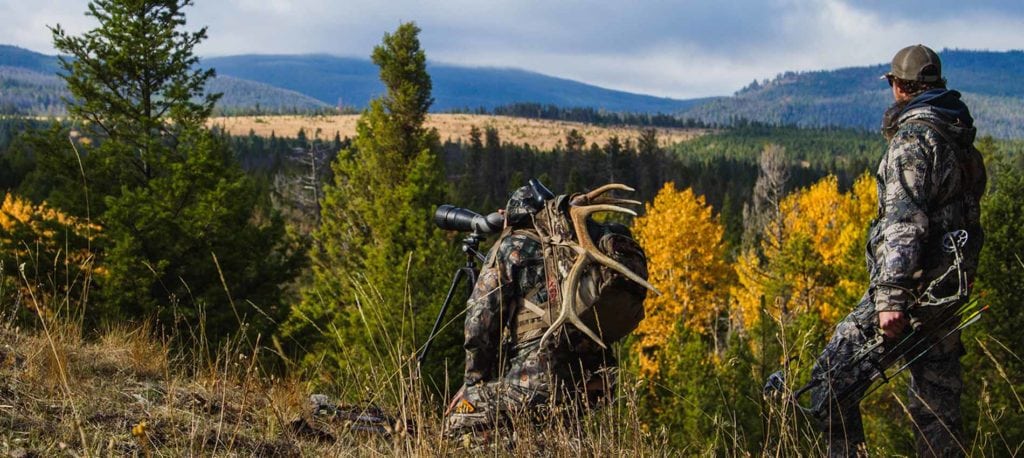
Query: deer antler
x=597, y=196
x=581, y=207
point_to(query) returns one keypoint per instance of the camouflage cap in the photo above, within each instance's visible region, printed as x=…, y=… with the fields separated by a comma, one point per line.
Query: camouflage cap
x=916, y=63
x=523, y=203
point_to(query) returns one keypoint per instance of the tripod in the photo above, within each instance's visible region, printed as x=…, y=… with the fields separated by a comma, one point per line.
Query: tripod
x=471, y=248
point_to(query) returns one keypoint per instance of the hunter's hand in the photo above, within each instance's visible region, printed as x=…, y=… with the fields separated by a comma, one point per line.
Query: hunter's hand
x=892, y=323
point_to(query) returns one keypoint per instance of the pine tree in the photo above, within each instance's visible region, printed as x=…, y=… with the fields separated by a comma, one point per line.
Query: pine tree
x=178, y=215
x=650, y=163
x=993, y=345
x=136, y=80
x=380, y=266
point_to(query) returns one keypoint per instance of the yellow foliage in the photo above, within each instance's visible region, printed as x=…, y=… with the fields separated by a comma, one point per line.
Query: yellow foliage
x=796, y=280
x=751, y=280
x=39, y=235
x=17, y=210
x=685, y=253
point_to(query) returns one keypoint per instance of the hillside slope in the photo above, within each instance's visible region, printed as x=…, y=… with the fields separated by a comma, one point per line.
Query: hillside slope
x=856, y=97
x=29, y=86
x=13, y=56
x=540, y=133
x=288, y=83
x=847, y=97
x=244, y=95
x=126, y=393
x=24, y=91
x=353, y=82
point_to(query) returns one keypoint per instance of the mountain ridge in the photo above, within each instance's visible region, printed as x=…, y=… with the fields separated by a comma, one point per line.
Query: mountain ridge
x=352, y=82
x=851, y=97
x=856, y=96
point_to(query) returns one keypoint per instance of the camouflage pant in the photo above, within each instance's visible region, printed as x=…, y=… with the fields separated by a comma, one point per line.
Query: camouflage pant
x=535, y=386
x=487, y=404
x=934, y=394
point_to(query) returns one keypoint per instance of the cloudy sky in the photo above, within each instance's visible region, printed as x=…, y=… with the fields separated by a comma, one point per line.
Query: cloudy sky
x=669, y=48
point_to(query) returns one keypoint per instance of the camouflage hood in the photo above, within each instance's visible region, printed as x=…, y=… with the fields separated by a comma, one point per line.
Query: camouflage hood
x=944, y=107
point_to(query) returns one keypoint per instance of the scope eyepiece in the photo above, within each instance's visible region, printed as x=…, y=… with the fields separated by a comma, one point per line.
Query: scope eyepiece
x=452, y=218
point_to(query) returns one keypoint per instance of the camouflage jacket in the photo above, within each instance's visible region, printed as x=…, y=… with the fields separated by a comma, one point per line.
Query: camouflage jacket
x=514, y=272
x=514, y=266
x=929, y=184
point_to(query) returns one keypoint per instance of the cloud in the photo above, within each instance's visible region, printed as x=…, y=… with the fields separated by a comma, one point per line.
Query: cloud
x=25, y=22
x=660, y=47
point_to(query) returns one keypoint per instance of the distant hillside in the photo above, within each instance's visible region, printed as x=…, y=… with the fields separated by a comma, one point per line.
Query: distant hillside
x=29, y=86
x=28, y=92
x=13, y=56
x=248, y=96
x=287, y=83
x=353, y=82
x=849, y=97
x=856, y=97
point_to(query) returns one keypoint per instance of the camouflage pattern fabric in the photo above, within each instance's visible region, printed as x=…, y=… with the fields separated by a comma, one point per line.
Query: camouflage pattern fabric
x=923, y=193
x=934, y=392
x=927, y=187
x=521, y=206
x=506, y=378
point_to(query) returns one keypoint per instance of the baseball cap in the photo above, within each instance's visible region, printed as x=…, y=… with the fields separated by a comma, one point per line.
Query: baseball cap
x=916, y=63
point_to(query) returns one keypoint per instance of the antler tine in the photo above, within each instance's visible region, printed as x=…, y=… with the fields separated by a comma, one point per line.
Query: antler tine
x=608, y=187
x=566, y=309
x=588, y=252
x=587, y=210
x=579, y=216
x=615, y=201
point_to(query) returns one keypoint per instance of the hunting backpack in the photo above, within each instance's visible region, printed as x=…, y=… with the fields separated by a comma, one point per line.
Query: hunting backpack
x=606, y=301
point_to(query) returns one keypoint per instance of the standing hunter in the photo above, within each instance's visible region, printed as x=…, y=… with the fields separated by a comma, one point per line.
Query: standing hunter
x=930, y=183
x=530, y=342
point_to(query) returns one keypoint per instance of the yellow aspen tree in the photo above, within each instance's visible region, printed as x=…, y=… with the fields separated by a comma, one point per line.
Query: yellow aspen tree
x=50, y=247
x=41, y=220
x=818, y=266
x=685, y=252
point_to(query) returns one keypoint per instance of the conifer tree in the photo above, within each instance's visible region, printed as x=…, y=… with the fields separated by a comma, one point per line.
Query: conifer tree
x=650, y=164
x=135, y=79
x=186, y=236
x=380, y=266
x=993, y=345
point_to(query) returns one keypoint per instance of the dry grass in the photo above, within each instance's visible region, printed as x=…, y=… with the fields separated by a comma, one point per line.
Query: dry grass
x=132, y=400
x=124, y=392
x=544, y=134
x=130, y=405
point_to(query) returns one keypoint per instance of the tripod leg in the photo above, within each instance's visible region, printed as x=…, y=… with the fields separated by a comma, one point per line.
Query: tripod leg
x=444, y=309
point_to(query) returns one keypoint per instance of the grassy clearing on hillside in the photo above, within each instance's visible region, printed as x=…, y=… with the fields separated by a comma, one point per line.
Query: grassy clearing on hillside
x=544, y=134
